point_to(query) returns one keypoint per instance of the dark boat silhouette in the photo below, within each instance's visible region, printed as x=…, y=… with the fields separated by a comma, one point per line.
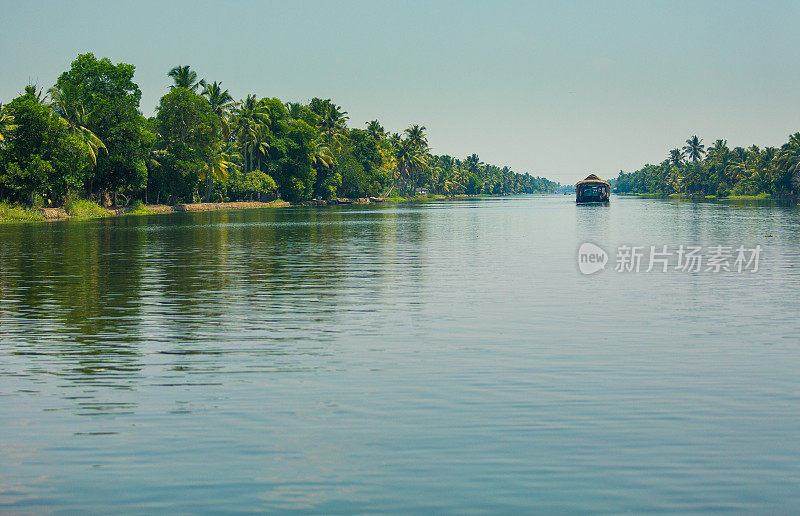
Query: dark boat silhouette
x=592, y=190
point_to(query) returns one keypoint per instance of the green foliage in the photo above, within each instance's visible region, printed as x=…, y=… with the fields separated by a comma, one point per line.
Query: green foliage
x=209, y=146
x=187, y=127
x=290, y=159
x=720, y=171
x=17, y=213
x=138, y=208
x=42, y=158
x=255, y=185
x=110, y=98
x=84, y=209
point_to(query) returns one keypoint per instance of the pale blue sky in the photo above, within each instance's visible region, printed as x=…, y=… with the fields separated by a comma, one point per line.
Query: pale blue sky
x=551, y=89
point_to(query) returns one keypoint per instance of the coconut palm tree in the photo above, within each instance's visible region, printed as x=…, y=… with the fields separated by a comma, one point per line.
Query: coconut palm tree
x=294, y=110
x=66, y=105
x=676, y=157
x=185, y=77
x=694, y=148
x=473, y=163
x=259, y=144
x=332, y=124
x=322, y=154
x=719, y=146
x=416, y=133
x=250, y=119
x=375, y=130
x=221, y=104
x=219, y=163
x=410, y=159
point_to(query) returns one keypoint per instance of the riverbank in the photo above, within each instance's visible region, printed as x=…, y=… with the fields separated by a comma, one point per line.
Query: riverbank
x=696, y=197
x=83, y=210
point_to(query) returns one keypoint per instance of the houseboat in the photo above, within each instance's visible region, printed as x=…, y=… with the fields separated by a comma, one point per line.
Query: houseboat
x=592, y=190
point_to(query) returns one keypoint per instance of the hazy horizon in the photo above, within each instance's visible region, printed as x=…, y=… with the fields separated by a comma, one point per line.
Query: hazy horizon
x=557, y=91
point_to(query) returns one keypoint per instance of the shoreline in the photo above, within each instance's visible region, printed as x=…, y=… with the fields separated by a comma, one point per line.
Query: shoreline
x=23, y=215
x=703, y=197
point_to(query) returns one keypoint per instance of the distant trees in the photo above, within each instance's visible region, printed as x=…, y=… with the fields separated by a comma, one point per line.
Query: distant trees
x=86, y=136
x=720, y=171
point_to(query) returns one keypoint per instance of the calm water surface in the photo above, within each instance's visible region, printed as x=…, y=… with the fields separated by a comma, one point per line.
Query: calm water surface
x=435, y=357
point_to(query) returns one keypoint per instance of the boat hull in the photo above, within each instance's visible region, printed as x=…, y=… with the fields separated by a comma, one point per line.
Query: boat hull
x=592, y=191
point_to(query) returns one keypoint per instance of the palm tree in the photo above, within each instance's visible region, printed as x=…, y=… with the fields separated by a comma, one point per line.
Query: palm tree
x=249, y=118
x=718, y=160
x=416, y=134
x=259, y=144
x=37, y=93
x=473, y=163
x=746, y=167
x=410, y=159
x=66, y=105
x=417, y=139
x=789, y=160
x=322, y=154
x=218, y=165
x=221, y=104
x=185, y=77
x=375, y=130
x=294, y=110
x=676, y=157
x=332, y=124
x=719, y=146
x=694, y=148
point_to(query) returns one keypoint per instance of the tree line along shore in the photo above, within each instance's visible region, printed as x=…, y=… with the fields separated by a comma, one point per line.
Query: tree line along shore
x=86, y=139
x=718, y=171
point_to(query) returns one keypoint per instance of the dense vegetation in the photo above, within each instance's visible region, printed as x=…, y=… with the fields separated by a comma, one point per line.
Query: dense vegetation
x=86, y=137
x=719, y=171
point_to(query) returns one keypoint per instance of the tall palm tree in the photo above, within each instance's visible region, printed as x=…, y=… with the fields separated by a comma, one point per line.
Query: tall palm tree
x=694, y=148
x=259, y=144
x=376, y=130
x=416, y=133
x=718, y=160
x=410, y=159
x=221, y=104
x=676, y=157
x=250, y=118
x=418, y=140
x=185, y=77
x=66, y=105
x=332, y=124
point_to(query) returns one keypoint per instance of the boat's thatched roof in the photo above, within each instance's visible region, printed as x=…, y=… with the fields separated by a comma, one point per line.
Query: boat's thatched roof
x=591, y=178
